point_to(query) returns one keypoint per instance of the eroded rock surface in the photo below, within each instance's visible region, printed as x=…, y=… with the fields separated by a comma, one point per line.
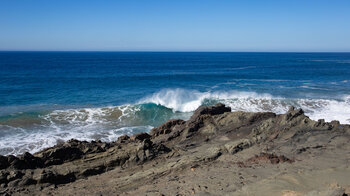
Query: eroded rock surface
x=215, y=152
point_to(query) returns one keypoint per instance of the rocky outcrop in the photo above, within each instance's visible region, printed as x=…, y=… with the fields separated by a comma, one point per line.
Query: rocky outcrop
x=213, y=133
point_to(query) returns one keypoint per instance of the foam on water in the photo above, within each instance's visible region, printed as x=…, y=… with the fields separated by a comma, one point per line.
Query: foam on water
x=36, y=140
x=106, y=124
x=188, y=100
x=32, y=133
x=182, y=100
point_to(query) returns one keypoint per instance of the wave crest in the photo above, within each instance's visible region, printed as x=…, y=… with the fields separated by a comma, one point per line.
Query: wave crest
x=181, y=100
x=35, y=131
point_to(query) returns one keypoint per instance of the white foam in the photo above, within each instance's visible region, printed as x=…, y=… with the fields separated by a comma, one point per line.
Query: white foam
x=181, y=100
x=188, y=100
x=105, y=123
x=36, y=140
x=108, y=123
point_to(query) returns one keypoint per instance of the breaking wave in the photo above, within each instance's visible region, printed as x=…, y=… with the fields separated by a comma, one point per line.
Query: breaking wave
x=34, y=131
x=182, y=100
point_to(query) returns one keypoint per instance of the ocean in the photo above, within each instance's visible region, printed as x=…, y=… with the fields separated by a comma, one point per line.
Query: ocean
x=49, y=97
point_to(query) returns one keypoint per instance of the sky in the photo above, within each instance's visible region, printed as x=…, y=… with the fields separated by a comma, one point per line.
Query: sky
x=177, y=25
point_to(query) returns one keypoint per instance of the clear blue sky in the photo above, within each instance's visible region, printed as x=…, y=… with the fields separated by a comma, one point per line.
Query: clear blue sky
x=177, y=25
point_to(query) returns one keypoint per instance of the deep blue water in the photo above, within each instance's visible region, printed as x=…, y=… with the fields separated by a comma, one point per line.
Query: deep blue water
x=51, y=96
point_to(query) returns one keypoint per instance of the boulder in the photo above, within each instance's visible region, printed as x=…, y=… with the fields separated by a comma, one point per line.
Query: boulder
x=211, y=110
x=140, y=136
x=123, y=139
x=166, y=127
x=3, y=162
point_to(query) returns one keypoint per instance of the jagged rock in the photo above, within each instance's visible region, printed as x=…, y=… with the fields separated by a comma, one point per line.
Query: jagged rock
x=93, y=171
x=293, y=113
x=140, y=136
x=14, y=183
x=123, y=139
x=3, y=162
x=197, y=119
x=54, y=178
x=212, y=154
x=213, y=132
x=272, y=158
x=166, y=127
x=17, y=163
x=211, y=110
x=13, y=175
x=59, y=155
x=236, y=146
x=31, y=161
x=27, y=181
x=3, y=176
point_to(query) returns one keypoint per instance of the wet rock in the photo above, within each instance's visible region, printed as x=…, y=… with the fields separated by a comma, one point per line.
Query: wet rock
x=31, y=161
x=261, y=116
x=140, y=136
x=293, y=113
x=123, y=139
x=166, y=127
x=17, y=163
x=320, y=122
x=3, y=162
x=211, y=110
x=225, y=133
x=200, y=115
x=3, y=176
x=59, y=155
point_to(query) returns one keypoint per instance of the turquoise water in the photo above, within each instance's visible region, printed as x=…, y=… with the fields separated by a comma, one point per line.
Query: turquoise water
x=46, y=97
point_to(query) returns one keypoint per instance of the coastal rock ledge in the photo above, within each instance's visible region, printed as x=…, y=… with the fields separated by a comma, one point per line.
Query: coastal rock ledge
x=215, y=152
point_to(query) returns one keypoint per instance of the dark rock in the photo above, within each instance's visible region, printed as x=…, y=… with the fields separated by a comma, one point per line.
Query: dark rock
x=141, y=136
x=272, y=158
x=60, y=155
x=93, y=171
x=320, y=122
x=13, y=175
x=18, y=164
x=161, y=148
x=31, y=161
x=11, y=158
x=123, y=139
x=3, y=176
x=27, y=181
x=166, y=127
x=211, y=110
x=3, y=162
x=14, y=183
x=261, y=116
x=197, y=119
x=293, y=113
x=54, y=178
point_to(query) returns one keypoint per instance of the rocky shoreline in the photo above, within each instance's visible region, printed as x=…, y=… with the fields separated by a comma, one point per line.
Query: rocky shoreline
x=215, y=152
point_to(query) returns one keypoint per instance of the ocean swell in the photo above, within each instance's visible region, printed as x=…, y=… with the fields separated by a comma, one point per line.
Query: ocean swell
x=33, y=131
x=182, y=100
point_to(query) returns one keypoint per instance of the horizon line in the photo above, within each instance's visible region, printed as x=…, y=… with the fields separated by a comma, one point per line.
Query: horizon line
x=173, y=51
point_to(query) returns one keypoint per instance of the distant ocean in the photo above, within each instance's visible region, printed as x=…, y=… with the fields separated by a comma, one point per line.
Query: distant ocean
x=47, y=97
